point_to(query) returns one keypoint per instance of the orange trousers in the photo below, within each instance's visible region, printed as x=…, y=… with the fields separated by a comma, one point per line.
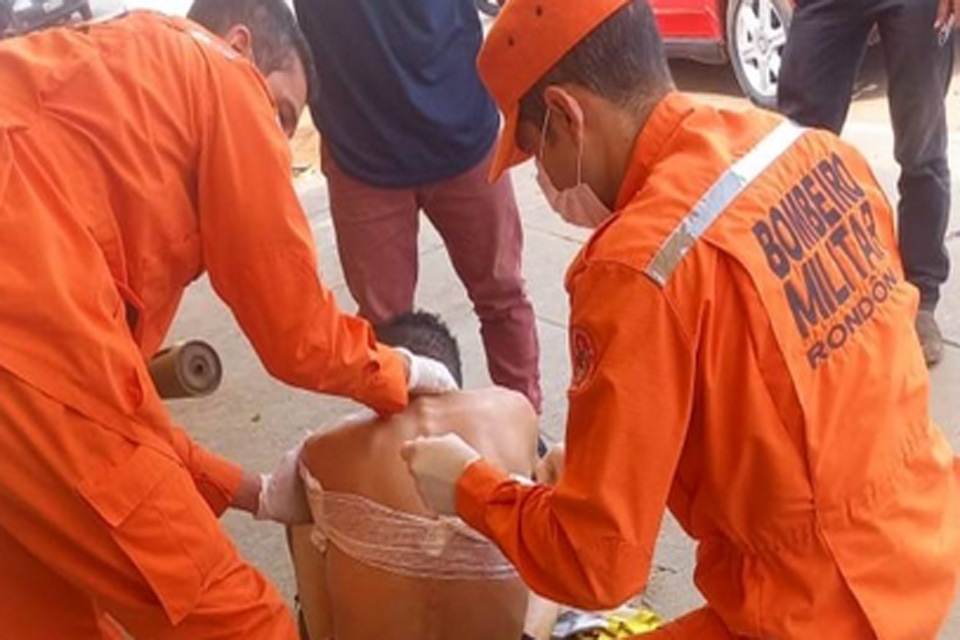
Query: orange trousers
x=95, y=527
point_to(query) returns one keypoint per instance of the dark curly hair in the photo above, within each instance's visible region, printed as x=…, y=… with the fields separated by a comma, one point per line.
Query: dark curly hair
x=423, y=334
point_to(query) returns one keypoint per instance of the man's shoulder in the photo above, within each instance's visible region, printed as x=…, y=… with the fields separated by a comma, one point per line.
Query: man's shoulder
x=175, y=54
x=341, y=428
x=158, y=31
x=634, y=235
x=685, y=174
x=456, y=412
x=338, y=433
x=199, y=47
x=350, y=452
x=499, y=422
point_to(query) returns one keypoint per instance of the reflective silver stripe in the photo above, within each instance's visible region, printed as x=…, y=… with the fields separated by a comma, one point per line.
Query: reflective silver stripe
x=221, y=48
x=715, y=201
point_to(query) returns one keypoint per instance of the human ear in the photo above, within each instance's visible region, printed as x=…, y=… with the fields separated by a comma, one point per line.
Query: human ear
x=240, y=40
x=567, y=116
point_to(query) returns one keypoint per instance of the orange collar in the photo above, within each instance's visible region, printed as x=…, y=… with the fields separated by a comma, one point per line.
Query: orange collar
x=659, y=127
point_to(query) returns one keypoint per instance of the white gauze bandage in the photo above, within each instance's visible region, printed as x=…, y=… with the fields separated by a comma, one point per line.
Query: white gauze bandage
x=401, y=543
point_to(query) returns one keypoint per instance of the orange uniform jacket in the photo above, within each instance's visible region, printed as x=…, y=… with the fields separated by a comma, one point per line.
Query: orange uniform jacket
x=744, y=353
x=134, y=156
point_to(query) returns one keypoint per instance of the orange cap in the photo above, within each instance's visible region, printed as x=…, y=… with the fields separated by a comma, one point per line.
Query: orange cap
x=526, y=41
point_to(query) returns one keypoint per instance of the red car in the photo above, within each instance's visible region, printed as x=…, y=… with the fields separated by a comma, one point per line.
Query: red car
x=750, y=34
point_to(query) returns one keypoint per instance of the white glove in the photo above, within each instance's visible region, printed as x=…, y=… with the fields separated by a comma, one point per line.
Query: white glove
x=426, y=375
x=437, y=464
x=282, y=496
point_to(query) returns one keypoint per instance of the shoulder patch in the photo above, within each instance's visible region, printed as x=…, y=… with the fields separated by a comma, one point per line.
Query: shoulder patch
x=583, y=357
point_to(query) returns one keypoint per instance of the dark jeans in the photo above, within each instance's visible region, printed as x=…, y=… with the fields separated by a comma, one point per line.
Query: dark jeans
x=827, y=42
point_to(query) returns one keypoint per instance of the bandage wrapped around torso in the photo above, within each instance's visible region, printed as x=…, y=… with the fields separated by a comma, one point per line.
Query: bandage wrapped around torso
x=399, y=542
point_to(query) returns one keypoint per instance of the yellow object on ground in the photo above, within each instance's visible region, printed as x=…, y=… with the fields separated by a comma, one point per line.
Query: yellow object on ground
x=625, y=622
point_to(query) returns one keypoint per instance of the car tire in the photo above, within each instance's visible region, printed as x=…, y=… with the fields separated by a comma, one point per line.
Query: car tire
x=756, y=37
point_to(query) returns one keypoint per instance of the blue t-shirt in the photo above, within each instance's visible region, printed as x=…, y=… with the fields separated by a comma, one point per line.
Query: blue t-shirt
x=400, y=102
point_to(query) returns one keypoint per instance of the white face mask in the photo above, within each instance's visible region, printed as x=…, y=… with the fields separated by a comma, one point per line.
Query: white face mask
x=578, y=205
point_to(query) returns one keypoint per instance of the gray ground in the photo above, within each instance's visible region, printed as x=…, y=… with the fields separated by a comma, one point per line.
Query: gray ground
x=254, y=420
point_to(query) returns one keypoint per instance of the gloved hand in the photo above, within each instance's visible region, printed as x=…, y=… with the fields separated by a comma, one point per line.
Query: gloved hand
x=425, y=375
x=282, y=496
x=437, y=464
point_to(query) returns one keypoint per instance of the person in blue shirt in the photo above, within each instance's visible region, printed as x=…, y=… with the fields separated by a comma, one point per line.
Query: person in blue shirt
x=407, y=126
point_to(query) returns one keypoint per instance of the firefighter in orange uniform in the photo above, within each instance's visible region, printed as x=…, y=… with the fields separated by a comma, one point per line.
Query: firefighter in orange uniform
x=743, y=354
x=135, y=155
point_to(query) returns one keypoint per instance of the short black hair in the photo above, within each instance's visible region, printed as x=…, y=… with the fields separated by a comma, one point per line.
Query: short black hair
x=622, y=60
x=276, y=34
x=423, y=334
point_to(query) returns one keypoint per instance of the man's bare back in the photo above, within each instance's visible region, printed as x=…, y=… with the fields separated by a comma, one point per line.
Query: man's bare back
x=353, y=600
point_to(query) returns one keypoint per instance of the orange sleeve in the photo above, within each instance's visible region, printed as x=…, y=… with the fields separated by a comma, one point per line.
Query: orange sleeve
x=259, y=250
x=216, y=478
x=588, y=542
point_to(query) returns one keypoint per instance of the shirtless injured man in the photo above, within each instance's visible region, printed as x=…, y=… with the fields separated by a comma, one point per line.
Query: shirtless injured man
x=376, y=563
